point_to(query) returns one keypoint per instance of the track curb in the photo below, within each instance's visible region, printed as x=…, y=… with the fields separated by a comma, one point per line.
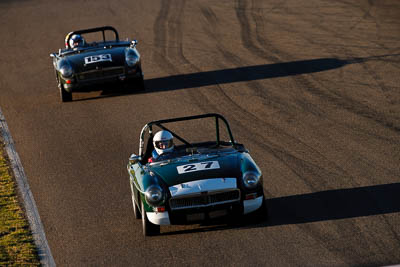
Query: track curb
x=32, y=214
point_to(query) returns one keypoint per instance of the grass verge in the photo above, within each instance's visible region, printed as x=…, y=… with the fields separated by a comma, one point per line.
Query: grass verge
x=16, y=243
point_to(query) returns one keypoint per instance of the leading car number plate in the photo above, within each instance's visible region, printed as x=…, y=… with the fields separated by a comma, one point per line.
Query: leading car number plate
x=201, y=166
x=98, y=58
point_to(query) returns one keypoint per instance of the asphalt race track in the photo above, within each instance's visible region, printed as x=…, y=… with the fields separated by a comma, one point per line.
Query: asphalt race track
x=312, y=88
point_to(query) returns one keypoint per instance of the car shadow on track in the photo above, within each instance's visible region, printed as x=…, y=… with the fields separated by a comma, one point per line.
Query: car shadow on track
x=243, y=74
x=240, y=74
x=319, y=206
x=335, y=204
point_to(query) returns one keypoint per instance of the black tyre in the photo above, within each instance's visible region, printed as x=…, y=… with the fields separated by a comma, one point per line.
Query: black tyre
x=136, y=211
x=140, y=84
x=149, y=229
x=135, y=85
x=235, y=217
x=65, y=96
x=262, y=213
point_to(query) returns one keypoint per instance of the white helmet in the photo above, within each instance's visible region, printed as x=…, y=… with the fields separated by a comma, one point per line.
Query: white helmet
x=163, y=142
x=76, y=41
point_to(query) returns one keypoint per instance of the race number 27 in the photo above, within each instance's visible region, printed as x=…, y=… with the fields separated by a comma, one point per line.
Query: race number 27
x=201, y=166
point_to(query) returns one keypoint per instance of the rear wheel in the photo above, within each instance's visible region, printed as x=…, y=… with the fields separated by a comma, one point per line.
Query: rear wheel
x=149, y=229
x=65, y=96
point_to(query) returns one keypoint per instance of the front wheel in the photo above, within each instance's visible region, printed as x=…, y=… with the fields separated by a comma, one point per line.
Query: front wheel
x=262, y=213
x=65, y=96
x=135, y=85
x=140, y=84
x=136, y=211
x=149, y=229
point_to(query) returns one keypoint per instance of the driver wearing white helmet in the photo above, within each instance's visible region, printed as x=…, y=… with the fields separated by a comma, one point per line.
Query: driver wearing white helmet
x=76, y=41
x=163, y=143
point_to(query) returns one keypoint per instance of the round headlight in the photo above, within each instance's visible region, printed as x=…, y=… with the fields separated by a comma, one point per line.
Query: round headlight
x=131, y=60
x=251, y=179
x=66, y=71
x=132, y=57
x=154, y=195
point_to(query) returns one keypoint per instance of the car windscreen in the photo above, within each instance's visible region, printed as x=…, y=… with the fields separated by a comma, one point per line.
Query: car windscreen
x=97, y=37
x=208, y=148
x=195, y=131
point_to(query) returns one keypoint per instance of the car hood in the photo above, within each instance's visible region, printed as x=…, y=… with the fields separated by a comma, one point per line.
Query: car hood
x=97, y=58
x=197, y=167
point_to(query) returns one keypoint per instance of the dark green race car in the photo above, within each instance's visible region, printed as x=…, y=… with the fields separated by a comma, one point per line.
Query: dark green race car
x=198, y=180
x=82, y=65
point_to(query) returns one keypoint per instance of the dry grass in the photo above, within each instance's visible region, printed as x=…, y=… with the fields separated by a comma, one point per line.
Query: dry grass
x=16, y=243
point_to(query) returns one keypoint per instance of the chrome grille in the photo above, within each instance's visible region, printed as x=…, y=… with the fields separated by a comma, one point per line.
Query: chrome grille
x=101, y=73
x=204, y=199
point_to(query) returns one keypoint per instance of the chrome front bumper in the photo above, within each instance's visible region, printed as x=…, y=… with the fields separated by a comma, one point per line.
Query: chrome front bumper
x=204, y=194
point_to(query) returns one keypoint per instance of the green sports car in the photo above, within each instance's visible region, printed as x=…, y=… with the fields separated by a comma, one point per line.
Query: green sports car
x=95, y=57
x=198, y=179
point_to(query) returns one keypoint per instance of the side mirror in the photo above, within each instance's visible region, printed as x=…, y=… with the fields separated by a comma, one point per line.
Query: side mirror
x=134, y=43
x=133, y=159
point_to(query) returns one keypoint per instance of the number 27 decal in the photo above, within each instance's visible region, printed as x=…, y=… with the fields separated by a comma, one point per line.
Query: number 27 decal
x=202, y=166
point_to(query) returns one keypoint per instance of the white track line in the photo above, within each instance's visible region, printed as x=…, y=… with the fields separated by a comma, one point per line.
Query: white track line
x=46, y=258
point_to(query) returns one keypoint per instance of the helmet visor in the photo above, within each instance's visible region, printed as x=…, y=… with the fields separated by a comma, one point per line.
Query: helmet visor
x=78, y=42
x=164, y=144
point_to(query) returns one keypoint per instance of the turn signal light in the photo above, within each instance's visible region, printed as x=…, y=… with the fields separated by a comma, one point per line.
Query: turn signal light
x=160, y=209
x=251, y=196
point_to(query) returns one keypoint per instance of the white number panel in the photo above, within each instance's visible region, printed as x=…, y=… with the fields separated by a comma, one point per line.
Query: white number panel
x=98, y=58
x=195, y=167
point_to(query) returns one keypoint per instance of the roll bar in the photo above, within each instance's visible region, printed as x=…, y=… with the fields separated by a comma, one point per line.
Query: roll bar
x=98, y=29
x=160, y=122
